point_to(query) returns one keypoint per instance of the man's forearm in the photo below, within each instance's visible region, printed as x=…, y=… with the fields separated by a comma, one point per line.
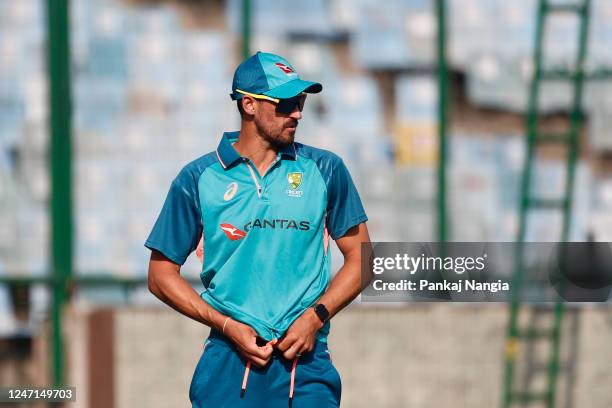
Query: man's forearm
x=346, y=286
x=166, y=283
x=349, y=281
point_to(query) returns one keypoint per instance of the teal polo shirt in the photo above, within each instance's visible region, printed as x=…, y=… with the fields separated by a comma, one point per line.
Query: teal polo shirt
x=266, y=238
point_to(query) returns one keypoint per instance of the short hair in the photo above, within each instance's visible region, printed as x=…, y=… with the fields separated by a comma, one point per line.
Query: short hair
x=239, y=106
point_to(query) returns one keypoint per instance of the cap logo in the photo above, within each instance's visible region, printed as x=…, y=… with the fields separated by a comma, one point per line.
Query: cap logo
x=286, y=69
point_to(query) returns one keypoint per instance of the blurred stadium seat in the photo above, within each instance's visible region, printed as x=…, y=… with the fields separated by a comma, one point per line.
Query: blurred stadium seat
x=150, y=88
x=151, y=94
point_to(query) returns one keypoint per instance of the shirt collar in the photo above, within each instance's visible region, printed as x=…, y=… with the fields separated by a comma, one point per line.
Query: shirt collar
x=227, y=155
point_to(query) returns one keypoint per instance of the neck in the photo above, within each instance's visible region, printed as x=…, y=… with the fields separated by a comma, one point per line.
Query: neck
x=255, y=147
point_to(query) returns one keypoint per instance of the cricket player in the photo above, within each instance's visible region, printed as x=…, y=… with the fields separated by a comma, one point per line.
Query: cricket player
x=266, y=208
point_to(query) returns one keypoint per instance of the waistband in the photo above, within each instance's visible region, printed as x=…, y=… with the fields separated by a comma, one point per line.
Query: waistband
x=219, y=338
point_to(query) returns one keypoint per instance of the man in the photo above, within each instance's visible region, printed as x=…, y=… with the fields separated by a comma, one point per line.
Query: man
x=266, y=207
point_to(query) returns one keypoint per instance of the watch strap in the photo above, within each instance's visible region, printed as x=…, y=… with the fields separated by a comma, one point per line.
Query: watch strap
x=321, y=312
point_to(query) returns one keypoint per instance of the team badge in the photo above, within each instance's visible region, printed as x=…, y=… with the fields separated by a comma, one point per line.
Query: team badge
x=295, y=181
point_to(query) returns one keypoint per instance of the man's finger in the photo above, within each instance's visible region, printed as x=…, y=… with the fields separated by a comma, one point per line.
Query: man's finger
x=285, y=343
x=293, y=350
x=260, y=352
x=259, y=362
x=308, y=347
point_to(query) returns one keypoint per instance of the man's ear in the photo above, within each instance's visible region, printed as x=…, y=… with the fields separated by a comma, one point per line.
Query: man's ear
x=248, y=105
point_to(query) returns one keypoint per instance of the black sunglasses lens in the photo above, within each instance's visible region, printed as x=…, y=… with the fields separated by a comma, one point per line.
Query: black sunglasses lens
x=288, y=105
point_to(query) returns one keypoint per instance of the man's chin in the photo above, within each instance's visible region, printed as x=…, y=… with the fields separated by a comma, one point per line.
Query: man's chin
x=285, y=142
x=286, y=137
x=291, y=131
x=283, y=139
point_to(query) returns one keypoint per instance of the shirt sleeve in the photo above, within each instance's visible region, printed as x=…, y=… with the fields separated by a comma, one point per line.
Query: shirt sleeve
x=178, y=228
x=344, y=208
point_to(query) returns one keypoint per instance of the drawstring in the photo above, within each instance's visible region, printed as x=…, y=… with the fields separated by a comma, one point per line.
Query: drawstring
x=295, y=361
x=247, y=370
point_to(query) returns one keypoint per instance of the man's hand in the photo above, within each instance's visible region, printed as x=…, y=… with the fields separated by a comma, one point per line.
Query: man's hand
x=345, y=286
x=245, y=339
x=301, y=335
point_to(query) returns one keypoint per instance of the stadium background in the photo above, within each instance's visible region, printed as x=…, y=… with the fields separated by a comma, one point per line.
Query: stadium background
x=149, y=86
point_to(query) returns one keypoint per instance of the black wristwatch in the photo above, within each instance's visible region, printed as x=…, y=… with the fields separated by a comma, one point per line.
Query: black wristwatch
x=321, y=312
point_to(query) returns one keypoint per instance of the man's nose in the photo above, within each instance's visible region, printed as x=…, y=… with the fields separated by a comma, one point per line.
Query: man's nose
x=296, y=114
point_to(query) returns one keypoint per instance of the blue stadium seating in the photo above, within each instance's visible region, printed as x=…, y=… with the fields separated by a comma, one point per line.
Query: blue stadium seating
x=150, y=95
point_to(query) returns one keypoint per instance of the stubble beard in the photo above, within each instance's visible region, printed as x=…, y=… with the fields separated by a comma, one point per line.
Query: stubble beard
x=278, y=138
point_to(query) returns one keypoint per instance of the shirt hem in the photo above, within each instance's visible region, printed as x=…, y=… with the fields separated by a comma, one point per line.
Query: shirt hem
x=167, y=253
x=355, y=221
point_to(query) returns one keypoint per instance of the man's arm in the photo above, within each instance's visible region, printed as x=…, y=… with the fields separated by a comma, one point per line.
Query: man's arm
x=166, y=282
x=345, y=287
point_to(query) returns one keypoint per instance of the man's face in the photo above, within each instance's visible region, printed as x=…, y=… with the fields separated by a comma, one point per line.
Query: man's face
x=277, y=128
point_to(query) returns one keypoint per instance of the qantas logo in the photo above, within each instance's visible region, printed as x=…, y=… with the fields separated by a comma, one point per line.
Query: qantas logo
x=277, y=224
x=286, y=69
x=232, y=232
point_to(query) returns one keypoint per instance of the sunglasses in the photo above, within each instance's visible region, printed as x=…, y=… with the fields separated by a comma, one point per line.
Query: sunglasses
x=285, y=106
